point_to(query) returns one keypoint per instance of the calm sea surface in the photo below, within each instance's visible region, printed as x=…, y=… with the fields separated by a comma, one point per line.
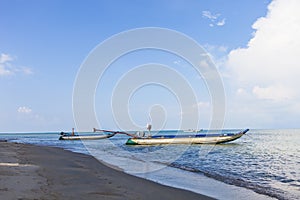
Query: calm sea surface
x=260, y=165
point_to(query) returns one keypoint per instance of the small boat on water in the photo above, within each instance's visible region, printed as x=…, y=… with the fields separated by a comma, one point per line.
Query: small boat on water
x=186, y=139
x=73, y=136
x=85, y=137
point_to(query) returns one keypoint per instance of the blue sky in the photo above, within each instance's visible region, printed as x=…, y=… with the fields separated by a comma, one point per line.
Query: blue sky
x=43, y=44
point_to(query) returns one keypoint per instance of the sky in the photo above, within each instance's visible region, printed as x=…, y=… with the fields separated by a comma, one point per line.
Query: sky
x=254, y=44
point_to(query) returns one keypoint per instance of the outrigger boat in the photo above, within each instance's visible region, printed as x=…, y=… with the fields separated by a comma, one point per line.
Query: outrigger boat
x=186, y=139
x=141, y=139
x=85, y=137
x=69, y=136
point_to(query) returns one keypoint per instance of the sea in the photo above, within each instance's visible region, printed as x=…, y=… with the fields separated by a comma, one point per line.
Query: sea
x=263, y=164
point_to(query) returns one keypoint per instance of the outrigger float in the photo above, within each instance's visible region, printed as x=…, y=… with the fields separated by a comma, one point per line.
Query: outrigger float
x=141, y=139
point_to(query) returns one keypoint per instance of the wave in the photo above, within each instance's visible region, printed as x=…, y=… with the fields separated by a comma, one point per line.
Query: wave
x=260, y=189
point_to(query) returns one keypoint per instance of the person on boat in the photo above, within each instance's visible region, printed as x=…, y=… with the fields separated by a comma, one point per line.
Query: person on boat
x=149, y=126
x=73, y=132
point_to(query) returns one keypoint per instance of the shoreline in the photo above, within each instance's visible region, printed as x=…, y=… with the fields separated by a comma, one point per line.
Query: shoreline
x=39, y=172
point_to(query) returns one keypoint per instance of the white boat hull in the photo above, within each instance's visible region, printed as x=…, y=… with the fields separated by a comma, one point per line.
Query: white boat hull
x=85, y=137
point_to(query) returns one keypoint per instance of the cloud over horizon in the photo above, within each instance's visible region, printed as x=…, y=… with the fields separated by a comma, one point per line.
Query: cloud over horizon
x=268, y=69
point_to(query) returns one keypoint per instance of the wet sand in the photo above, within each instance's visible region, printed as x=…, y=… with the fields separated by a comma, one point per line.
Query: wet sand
x=35, y=172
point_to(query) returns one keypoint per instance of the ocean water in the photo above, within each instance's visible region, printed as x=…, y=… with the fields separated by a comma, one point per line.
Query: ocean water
x=263, y=164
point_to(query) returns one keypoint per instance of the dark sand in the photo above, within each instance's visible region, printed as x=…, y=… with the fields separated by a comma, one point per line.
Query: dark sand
x=34, y=172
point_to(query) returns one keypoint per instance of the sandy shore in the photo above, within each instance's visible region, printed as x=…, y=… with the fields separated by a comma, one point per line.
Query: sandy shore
x=33, y=172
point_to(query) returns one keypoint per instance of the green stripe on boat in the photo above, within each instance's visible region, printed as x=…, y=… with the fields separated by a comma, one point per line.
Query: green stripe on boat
x=131, y=142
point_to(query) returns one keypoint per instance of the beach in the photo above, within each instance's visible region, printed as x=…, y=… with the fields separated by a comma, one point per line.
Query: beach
x=40, y=172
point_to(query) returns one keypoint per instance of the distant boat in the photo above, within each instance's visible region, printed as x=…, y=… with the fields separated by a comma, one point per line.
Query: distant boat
x=186, y=139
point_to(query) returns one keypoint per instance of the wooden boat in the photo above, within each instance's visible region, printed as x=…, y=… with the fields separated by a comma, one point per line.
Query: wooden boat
x=186, y=139
x=66, y=136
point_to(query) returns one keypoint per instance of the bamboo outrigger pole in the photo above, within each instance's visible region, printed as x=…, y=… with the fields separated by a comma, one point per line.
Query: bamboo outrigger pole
x=115, y=132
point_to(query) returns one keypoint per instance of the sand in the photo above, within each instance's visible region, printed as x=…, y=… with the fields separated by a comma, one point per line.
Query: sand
x=36, y=172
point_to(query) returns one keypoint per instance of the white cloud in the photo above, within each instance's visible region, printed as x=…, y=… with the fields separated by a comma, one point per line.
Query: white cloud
x=273, y=53
x=203, y=105
x=221, y=22
x=276, y=93
x=218, y=53
x=4, y=64
x=7, y=68
x=4, y=71
x=241, y=92
x=209, y=15
x=177, y=62
x=24, y=70
x=269, y=66
x=213, y=18
x=203, y=63
x=5, y=58
x=215, y=49
x=24, y=109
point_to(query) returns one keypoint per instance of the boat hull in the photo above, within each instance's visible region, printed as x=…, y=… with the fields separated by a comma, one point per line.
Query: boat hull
x=191, y=139
x=85, y=137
